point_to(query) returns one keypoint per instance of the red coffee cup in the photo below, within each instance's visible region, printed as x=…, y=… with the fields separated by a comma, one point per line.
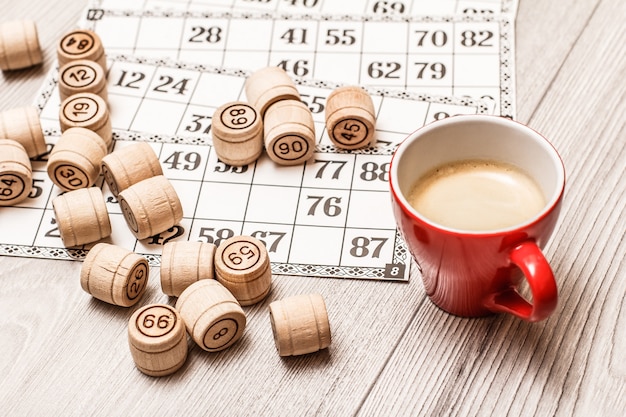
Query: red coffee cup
x=473, y=273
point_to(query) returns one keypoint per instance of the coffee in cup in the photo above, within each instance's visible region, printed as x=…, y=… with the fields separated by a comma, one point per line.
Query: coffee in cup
x=477, y=194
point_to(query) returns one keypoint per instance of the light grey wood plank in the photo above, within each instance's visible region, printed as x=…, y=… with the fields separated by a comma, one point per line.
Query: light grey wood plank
x=64, y=353
x=545, y=34
x=62, y=349
x=570, y=364
x=53, y=19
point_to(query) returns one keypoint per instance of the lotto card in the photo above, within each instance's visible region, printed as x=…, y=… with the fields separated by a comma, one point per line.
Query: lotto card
x=459, y=56
x=330, y=217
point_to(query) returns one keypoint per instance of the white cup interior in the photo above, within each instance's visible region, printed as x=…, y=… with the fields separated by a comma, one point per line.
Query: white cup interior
x=477, y=137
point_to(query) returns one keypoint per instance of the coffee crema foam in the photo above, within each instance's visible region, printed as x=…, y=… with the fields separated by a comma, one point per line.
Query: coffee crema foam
x=477, y=195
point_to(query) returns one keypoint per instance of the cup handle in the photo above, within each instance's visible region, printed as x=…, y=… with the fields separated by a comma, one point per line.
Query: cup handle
x=529, y=258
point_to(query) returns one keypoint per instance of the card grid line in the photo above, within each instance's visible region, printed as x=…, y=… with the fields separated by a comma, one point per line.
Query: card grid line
x=188, y=102
x=195, y=209
x=295, y=216
x=345, y=224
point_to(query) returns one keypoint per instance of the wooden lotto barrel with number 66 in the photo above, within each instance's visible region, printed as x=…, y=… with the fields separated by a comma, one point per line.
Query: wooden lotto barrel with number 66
x=157, y=339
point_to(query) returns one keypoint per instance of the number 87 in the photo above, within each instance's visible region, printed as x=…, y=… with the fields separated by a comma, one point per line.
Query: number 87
x=361, y=246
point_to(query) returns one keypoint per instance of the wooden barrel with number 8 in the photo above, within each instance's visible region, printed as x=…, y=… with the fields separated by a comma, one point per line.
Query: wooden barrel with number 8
x=213, y=317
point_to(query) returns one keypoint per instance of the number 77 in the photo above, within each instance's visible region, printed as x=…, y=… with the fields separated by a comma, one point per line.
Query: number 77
x=325, y=163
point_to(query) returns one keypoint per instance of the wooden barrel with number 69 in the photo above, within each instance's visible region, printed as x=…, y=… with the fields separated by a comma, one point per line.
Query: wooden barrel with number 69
x=242, y=265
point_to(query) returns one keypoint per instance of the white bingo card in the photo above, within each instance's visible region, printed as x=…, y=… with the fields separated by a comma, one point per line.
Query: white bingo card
x=330, y=217
x=443, y=55
x=372, y=7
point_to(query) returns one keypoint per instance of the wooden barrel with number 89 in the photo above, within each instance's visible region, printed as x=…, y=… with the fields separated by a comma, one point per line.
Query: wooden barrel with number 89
x=237, y=133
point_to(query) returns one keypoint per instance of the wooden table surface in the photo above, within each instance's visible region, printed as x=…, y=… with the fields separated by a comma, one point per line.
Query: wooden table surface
x=393, y=351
